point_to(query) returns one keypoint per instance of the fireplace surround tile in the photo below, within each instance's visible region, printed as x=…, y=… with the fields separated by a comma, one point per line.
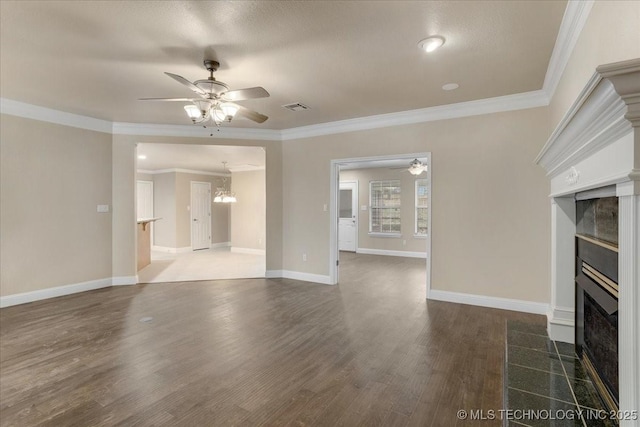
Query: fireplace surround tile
x=523, y=401
x=565, y=349
x=574, y=368
x=531, y=341
x=543, y=383
x=586, y=394
x=541, y=374
x=539, y=360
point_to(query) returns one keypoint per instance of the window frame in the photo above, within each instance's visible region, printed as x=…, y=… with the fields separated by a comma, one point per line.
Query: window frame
x=421, y=182
x=381, y=232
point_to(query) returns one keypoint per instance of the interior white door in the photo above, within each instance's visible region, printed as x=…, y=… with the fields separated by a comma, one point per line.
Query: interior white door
x=144, y=206
x=348, y=216
x=200, y=215
x=144, y=202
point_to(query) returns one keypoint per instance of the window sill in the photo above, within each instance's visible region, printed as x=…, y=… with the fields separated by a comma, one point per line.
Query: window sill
x=391, y=235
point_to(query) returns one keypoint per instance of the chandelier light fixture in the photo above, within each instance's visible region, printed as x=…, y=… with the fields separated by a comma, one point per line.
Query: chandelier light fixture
x=222, y=194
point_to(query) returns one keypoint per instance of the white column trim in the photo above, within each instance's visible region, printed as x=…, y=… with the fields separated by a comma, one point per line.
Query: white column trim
x=629, y=304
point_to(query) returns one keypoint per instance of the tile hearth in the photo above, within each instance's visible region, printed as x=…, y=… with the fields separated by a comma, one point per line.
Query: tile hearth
x=541, y=374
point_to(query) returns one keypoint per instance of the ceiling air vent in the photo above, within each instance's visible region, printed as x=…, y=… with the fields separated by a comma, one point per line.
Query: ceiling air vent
x=296, y=106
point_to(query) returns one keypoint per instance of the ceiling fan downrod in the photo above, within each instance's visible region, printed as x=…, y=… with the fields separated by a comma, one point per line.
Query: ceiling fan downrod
x=211, y=66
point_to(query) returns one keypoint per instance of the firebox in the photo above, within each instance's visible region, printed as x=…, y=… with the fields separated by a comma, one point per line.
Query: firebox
x=597, y=294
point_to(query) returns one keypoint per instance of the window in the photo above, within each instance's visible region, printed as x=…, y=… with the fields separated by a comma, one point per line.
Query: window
x=384, y=202
x=422, y=207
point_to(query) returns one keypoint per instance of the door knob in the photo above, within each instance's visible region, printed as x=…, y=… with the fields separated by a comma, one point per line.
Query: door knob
x=195, y=219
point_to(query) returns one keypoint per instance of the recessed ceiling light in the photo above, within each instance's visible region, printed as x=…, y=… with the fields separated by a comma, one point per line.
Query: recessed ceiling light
x=450, y=86
x=142, y=157
x=431, y=43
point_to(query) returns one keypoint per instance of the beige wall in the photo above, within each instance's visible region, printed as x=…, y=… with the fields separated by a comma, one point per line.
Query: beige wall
x=611, y=34
x=490, y=208
x=52, y=179
x=407, y=209
x=164, y=206
x=248, y=213
x=144, y=176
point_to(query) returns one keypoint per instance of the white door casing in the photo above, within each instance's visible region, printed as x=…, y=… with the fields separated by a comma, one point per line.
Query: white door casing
x=348, y=216
x=200, y=215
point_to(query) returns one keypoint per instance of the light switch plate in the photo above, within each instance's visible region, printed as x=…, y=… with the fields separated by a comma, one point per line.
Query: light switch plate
x=363, y=207
x=103, y=208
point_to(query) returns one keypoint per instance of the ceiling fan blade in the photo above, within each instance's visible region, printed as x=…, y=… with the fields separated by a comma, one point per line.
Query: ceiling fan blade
x=248, y=93
x=170, y=99
x=187, y=83
x=250, y=114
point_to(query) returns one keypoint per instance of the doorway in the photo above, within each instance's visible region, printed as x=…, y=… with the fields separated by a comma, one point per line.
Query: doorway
x=414, y=239
x=348, y=216
x=197, y=237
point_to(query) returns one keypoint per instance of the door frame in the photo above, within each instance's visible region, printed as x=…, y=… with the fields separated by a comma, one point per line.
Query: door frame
x=191, y=211
x=355, y=194
x=335, y=165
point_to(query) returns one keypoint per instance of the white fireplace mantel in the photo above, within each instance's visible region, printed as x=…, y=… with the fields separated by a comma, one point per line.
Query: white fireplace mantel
x=597, y=144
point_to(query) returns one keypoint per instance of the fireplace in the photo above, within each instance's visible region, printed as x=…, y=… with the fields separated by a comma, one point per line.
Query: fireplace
x=597, y=293
x=595, y=302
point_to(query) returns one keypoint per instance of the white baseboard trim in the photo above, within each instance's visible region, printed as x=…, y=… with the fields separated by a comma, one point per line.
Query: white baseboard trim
x=124, y=280
x=170, y=250
x=248, y=251
x=297, y=275
x=561, y=324
x=492, y=302
x=407, y=254
x=273, y=274
x=57, y=291
x=220, y=245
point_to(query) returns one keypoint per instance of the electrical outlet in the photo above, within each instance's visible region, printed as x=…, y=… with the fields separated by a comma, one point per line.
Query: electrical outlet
x=304, y=257
x=103, y=208
x=259, y=241
x=404, y=243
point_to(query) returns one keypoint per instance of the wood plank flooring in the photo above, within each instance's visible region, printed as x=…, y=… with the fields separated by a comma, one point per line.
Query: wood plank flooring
x=370, y=351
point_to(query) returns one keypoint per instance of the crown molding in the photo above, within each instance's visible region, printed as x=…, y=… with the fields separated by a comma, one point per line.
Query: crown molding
x=43, y=114
x=601, y=114
x=148, y=129
x=519, y=101
x=575, y=16
x=181, y=170
x=246, y=168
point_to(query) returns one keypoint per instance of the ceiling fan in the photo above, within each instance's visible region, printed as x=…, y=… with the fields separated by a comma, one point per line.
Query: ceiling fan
x=416, y=167
x=216, y=102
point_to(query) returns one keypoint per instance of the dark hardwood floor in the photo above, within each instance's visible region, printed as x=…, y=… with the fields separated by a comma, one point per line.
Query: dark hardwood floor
x=370, y=351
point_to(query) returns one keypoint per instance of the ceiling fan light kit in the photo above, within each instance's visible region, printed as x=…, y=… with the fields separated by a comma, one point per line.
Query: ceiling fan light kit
x=216, y=102
x=416, y=167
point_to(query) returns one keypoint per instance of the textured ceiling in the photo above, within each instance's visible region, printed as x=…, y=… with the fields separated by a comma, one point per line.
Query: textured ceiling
x=344, y=59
